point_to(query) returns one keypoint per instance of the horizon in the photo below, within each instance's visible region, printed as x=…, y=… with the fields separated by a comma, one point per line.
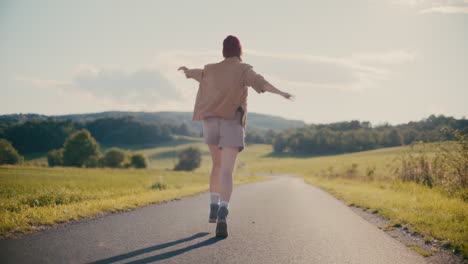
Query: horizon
x=391, y=61
x=277, y=116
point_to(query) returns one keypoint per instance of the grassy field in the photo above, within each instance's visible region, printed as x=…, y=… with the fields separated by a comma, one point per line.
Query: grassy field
x=370, y=183
x=383, y=161
x=31, y=196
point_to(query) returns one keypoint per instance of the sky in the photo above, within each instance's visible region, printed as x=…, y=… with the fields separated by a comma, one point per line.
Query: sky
x=385, y=61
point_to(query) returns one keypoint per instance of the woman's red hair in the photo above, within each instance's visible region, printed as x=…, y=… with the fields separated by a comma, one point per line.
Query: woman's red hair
x=232, y=47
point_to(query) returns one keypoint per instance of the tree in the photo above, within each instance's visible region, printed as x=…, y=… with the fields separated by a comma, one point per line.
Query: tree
x=128, y=130
x=189, y=159
x=55, y=157
x=78, y=148
x=409, y=136
x=3, y=127
x=113, y=158
x=390, y=138
x=94, y=162
x=269, y=136
x=183, y=129
x=254, y=137
x=8, y=154
x=138, y=161
x=280, y=143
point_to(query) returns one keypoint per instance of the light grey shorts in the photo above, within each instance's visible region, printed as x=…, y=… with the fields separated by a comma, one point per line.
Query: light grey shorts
x=224, y=132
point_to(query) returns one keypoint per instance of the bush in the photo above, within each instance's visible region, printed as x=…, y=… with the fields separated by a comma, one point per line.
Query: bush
x=280, y=143
x=78, y=148
x=126, y=165
x=159, y=186
x=189, y=159
x=113, y=158
x=138, y=160
x=8, y=154
x=93, y=162
x=55, y=157
x=254, y=137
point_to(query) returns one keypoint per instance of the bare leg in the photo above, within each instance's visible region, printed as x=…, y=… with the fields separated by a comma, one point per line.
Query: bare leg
x=228, y=160
x=215, y=177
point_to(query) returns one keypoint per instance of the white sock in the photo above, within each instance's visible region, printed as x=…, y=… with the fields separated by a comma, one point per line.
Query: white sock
x=214, y=198
x=224, y=203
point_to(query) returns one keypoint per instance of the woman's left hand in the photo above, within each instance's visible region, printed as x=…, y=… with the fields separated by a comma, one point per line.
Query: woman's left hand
x=288, y=96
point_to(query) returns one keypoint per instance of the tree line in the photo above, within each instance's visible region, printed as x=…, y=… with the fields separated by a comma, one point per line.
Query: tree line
x=45, y=135
x=352, y=136
x=341, y=137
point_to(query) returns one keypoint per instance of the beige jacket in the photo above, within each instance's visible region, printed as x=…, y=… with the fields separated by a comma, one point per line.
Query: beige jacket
x=223, y=88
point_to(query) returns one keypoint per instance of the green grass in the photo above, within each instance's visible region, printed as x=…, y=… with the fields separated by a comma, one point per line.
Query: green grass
x=258, y=158
x=419, y=250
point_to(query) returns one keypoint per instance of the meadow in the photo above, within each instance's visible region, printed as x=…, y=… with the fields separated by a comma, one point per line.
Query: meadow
x=364, y=179
x=34, y=196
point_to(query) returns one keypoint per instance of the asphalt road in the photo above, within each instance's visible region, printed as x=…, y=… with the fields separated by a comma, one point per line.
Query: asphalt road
x=280, y=221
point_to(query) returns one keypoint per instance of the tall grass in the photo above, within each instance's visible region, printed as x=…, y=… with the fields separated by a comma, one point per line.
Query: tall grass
x=447, y=168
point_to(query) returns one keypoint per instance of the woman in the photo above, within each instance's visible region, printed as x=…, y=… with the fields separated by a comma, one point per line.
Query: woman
x=221, y=104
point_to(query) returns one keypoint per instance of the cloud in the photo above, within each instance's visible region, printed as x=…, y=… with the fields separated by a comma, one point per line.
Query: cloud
x=356, y=72
x=437, y=6
x=446, y=10
x=391, y=57
x=141, y=89
x=409, y=2
x=141, y=86
x=159, y=86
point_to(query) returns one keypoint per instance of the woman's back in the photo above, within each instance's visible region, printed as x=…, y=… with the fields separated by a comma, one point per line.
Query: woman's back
x=223, y=88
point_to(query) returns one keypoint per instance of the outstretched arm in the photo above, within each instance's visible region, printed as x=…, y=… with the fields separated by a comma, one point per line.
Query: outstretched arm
x=195, y=74
x=259, y=84
x=270, y=88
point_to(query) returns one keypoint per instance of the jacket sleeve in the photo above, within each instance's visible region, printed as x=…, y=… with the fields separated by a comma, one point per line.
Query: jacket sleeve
x=254, y=80
x=196, y=74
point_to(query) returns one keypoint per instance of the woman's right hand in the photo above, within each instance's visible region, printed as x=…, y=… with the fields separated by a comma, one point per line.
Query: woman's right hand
x=183, y=68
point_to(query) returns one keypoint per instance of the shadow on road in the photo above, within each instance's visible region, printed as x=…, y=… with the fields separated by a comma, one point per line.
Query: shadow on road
x=161, y=256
